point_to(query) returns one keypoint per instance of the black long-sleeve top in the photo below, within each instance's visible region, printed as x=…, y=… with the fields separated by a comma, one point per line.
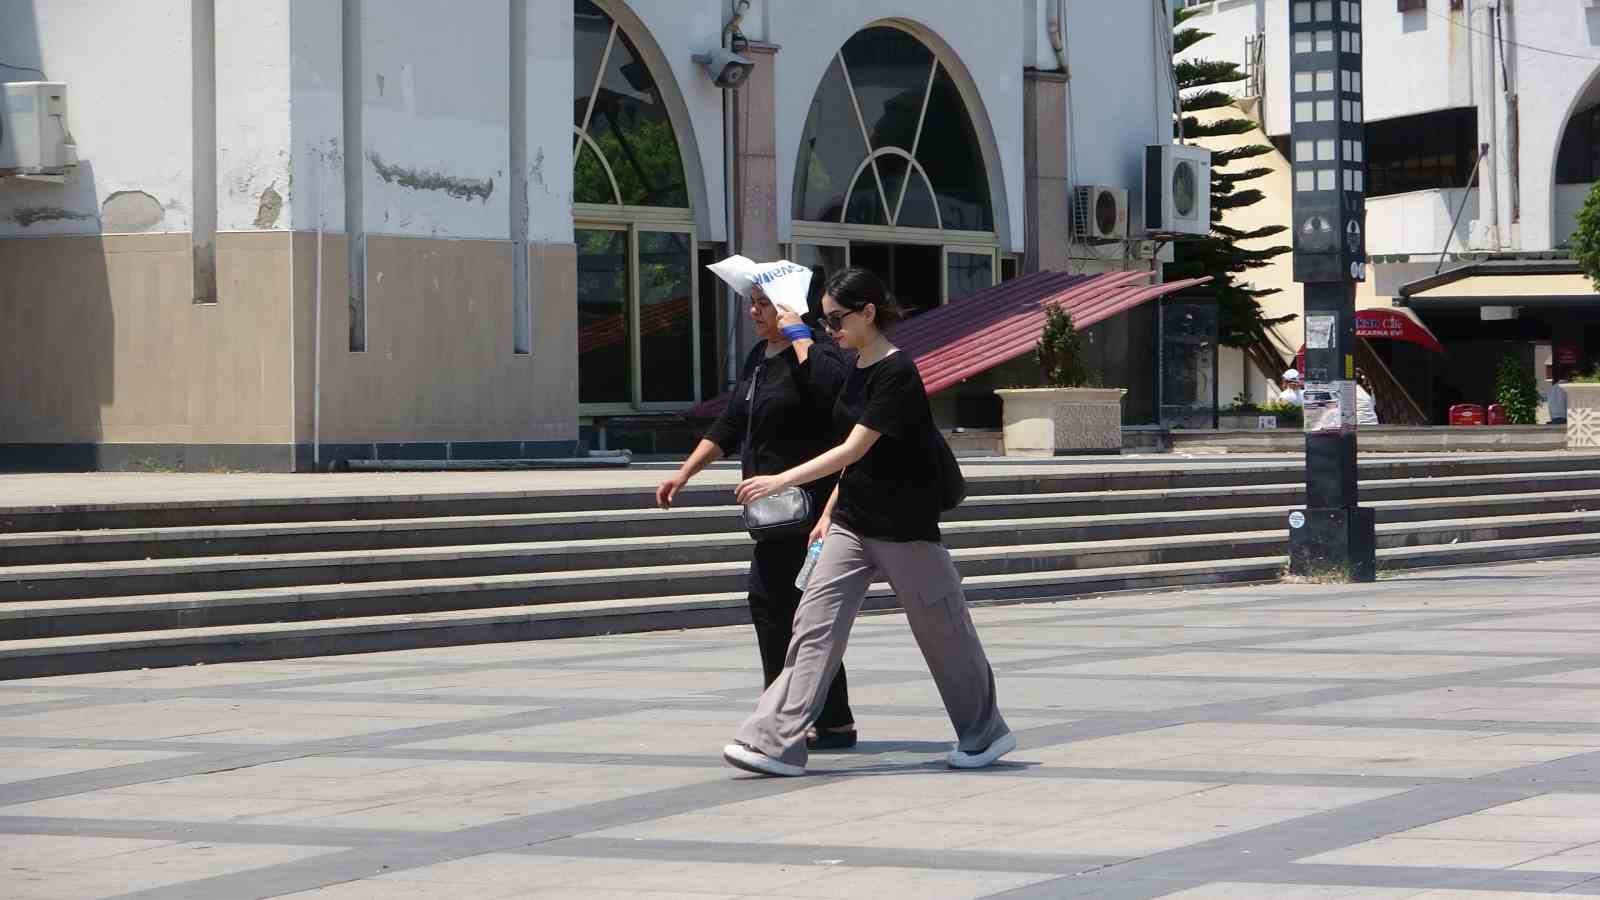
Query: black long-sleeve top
x=793, y=411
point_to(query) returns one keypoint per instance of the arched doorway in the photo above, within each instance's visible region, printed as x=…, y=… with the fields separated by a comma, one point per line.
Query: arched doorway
x=891, y=175
x=639, y=327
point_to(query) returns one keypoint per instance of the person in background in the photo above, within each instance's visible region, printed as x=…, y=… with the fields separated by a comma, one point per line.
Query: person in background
x=1291, y=389
x=789, y=420
x=1366, y=407
x=881, y=520
x=1556, y=403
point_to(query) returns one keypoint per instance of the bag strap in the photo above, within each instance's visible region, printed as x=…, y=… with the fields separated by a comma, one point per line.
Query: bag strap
x=750, y=411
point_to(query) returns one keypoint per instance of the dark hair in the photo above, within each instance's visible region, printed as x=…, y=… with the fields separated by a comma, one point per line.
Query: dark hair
x=856, y=287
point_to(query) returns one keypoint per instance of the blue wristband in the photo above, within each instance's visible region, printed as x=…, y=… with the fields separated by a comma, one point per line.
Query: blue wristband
x=797, y=332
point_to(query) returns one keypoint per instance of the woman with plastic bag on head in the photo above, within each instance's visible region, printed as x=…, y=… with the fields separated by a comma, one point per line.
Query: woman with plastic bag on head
x=778, y=417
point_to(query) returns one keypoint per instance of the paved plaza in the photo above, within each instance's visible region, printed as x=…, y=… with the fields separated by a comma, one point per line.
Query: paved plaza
x=1434, y=735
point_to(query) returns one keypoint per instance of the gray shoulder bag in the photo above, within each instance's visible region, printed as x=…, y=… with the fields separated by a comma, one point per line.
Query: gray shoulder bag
x=786, y=514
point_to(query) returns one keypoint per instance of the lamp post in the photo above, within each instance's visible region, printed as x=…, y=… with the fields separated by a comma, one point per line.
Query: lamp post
x=1333, y=536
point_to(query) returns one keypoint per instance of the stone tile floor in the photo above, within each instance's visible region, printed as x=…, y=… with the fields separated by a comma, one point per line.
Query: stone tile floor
x=1432, y=736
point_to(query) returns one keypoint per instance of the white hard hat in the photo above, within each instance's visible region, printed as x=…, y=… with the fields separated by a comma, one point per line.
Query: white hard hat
x=1291, y=375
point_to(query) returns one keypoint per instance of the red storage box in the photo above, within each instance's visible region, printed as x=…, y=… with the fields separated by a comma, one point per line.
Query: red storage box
x=1497, y=414
x=1467, y=414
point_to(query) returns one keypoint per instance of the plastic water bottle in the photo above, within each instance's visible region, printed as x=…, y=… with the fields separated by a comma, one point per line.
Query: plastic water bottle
x=813, y=553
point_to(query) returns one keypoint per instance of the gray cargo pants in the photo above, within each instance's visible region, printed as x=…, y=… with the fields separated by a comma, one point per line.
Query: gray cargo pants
x=929, y=588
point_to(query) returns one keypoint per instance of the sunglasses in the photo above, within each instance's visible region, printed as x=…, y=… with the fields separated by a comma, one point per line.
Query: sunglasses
x=835, y=321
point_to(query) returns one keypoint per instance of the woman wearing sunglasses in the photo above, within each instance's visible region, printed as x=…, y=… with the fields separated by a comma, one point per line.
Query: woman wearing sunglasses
x=882, y=519
x=783, y=404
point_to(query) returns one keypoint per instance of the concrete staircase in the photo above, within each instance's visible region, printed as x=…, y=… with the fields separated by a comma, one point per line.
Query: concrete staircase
x=93, y=588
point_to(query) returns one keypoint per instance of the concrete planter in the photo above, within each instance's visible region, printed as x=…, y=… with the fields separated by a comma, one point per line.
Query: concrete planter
x=1583, y=416
x=1062, y=421
x=1246, y=422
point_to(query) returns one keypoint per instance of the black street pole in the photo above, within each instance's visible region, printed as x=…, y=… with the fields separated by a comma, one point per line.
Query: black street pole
x=1333, y=536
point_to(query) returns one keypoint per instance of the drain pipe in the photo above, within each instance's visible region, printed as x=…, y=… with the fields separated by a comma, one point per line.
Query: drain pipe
x=730, y=195
x=1058, y=42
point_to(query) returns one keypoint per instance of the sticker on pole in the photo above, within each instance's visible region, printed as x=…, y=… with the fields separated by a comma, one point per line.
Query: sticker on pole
x=785, y=283
x=1297, y=519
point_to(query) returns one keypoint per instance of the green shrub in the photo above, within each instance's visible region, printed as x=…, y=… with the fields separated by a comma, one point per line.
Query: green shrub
x=1515, y=391
x=1060, y=352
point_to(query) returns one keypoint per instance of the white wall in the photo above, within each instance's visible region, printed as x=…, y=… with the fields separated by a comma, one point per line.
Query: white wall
x=1549, y=87
x=253, y=114
x=127, y=70
x=436, y=99
x=1121, y=92
x=985, y=46
x=316, y=49
x=549, y=120
x=1419, y=221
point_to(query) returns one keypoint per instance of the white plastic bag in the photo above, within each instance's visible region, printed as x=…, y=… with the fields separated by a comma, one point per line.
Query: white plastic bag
x=785, y=283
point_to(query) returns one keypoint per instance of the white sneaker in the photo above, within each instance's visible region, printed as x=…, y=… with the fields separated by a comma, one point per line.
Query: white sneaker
x=961, y=759
x=752, y=760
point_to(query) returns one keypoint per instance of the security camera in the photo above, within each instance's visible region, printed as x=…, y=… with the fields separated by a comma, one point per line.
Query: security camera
x=728, y=70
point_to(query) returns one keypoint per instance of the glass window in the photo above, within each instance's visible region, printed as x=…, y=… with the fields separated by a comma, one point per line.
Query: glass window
x=590, y=183
x=968, y=273
x=890, y=70
x=831, y=148
x=712, y=351
x=828, y=258
x=954, y=162
x=617, y=104
x=666, y=321
x=605, y=363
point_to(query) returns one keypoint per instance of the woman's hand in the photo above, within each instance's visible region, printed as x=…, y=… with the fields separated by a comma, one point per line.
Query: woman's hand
x=787, y=317
x=667, y=491
x=753, y=489
x=821, y=530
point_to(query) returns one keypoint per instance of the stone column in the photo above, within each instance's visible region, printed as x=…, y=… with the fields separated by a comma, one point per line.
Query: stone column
x=755, y=192
x=1045, y=125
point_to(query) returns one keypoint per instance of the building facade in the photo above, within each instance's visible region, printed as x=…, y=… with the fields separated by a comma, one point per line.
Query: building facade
x=1482, y=142
x=301, y=231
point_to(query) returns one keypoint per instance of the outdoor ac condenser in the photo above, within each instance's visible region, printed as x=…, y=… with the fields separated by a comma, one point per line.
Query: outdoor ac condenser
x=1177, y=189
x=1100, y=213
x=34, y=139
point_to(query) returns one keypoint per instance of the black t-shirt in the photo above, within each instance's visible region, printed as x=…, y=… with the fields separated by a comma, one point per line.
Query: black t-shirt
x=793, y=407
x=892, y=493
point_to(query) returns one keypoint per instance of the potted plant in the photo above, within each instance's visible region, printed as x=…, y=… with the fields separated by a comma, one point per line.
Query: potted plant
x=1070, y=414
x=1583, y=410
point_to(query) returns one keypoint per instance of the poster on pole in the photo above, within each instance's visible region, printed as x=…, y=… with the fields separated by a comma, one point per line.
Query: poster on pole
x=1330, y=407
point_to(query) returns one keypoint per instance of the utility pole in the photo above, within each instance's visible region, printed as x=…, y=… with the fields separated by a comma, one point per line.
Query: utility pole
x=1333, y=536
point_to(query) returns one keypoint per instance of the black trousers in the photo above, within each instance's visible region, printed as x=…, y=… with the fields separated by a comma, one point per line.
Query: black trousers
x=773, y=600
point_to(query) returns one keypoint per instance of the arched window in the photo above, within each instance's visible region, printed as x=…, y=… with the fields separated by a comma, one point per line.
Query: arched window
x=891, y=175
x=640, y=329
x=625, y=151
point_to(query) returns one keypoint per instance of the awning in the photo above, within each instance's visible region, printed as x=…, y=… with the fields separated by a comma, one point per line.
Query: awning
x=1396, y=325
x=980, y=331
x=1482, y=285
x=1390, y=324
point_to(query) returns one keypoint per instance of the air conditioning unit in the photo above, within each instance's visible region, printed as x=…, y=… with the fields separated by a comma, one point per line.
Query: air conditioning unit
x=1177, y=189
x=1100, y=213
x=34, y=140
